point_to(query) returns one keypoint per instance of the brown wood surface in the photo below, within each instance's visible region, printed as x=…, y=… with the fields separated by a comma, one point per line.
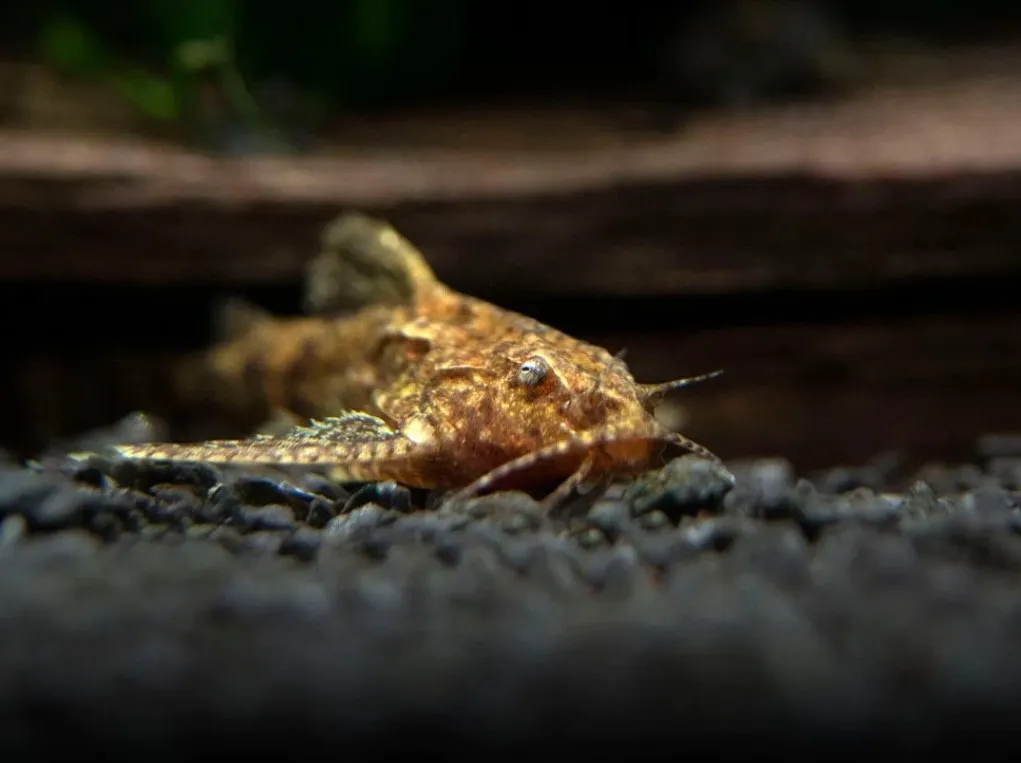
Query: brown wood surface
x=889, y=185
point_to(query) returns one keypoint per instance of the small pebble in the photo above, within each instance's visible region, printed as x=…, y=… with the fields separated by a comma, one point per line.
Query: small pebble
x=173, y=503
x=764, y=490
x=687, y=485
x=717, y=533
x=427, y=526
x=655, y=549
x=388, y=494
x=554, y=567
x=201, y=531
x=513, y=511
x=60, y=510
x=947, y=480
x=142, y=475
x=219, y=506
x=89, y=474
x=778, y=552
x=168, y=491
x=653, y=520
x=988, y=501
x=611, y=517
x=104, y=525
x=12, y=530
x=259, y=544
x=922, y=502
x=263, y=491
x=355, y=523
x=170, y=512
x=375, y=546
x=22, y=490
x=519, y=554
x=319, y=512
x=228, y=538
x=519, y=523
x=323, y=486
x=302, y=544
x=128, y=504
x=619, y=573
x=1007, y=471
x=271, y=518
x=591, y=538
x=448, y=551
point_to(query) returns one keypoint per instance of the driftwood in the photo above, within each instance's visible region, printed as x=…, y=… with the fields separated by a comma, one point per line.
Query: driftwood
x=889, y=186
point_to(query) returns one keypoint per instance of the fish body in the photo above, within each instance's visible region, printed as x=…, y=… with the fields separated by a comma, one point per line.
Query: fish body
x=392, y=375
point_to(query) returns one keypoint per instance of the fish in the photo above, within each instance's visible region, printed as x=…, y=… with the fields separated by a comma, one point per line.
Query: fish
x=391, y=375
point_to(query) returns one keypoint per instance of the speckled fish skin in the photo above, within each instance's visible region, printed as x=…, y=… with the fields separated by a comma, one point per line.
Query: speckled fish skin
x=403, y=378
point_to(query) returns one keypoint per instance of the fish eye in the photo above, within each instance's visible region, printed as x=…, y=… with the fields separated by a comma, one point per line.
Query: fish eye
x=533, y=371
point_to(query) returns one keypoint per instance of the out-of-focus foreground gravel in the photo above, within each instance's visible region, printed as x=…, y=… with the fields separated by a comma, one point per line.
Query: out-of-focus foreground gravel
x=152, y=611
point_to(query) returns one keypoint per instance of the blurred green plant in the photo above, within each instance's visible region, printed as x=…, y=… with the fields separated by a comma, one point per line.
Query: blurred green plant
x=73, y=49
x=157, y=53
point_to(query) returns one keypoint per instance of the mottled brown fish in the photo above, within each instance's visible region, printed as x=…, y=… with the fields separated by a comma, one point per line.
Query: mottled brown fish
x=405, y=379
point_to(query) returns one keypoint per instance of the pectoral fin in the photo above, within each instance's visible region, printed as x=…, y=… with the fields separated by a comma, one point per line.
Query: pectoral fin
x=355, y=445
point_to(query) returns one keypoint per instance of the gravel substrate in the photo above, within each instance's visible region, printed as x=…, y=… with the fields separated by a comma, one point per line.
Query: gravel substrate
x=154, y=611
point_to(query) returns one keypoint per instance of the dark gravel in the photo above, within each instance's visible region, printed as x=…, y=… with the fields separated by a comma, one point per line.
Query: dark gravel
x=151, y=610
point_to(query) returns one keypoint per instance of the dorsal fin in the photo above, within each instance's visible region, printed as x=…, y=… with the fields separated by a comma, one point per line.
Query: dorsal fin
x=364, y=261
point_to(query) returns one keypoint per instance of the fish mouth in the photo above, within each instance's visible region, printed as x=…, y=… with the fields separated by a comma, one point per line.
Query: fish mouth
x=602, y=452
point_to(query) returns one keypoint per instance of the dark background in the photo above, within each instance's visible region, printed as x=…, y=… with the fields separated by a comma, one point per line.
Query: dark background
x=861, y=311
x=387, y=53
